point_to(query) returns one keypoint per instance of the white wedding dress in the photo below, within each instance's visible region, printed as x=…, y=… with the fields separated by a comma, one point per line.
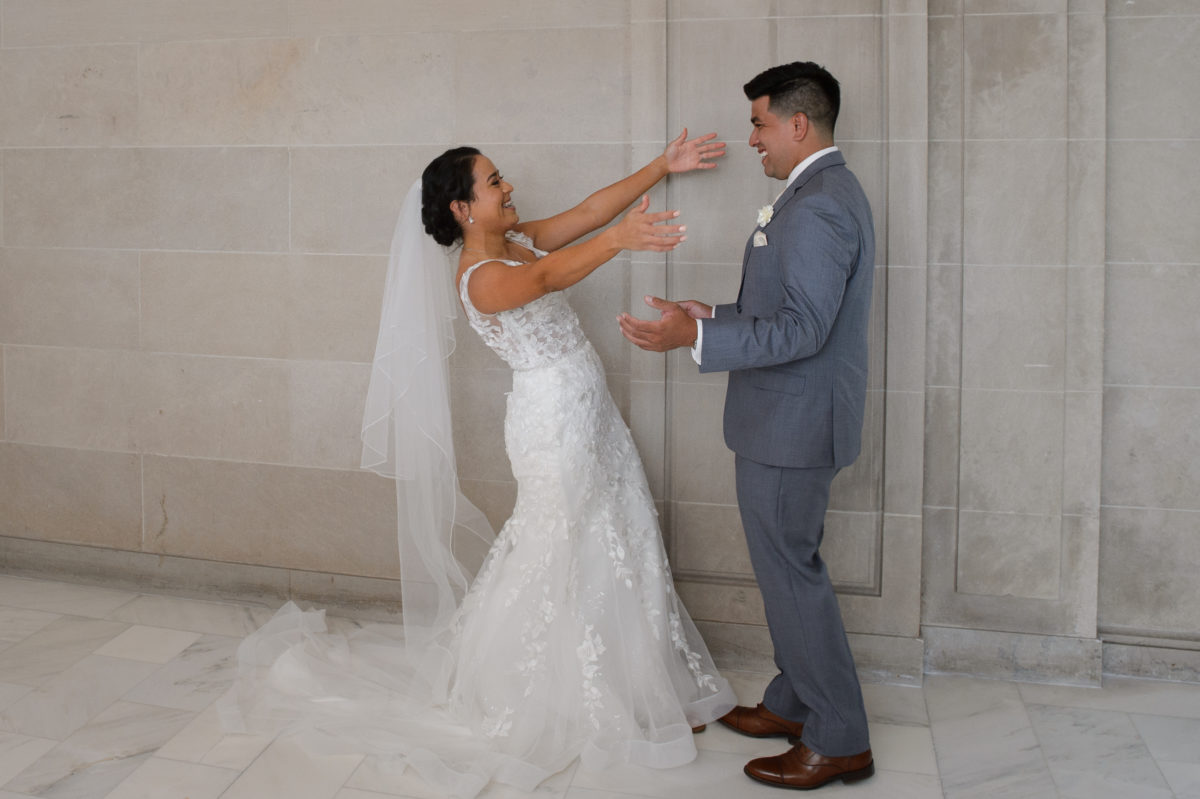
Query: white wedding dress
x=570, y=643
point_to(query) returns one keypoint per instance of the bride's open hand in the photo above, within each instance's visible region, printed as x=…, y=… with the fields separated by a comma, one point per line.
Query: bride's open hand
x=644, y=231
x=683, y=155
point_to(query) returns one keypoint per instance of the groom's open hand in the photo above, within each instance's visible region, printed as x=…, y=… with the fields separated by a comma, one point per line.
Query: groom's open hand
x=676, y=326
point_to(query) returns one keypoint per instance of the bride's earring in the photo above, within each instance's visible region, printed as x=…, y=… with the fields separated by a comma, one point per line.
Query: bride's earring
x=470, y=220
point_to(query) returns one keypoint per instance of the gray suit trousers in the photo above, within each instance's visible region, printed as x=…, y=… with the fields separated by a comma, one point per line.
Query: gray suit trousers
x=783, y=513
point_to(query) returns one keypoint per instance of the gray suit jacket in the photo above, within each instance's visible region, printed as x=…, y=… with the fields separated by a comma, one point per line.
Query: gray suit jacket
x=795, y=342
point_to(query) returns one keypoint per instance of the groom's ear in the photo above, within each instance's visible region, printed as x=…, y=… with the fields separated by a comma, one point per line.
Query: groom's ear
x=799, y=126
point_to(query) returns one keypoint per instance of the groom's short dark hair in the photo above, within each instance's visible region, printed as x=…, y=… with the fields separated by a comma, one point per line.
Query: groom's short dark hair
x=799, y=87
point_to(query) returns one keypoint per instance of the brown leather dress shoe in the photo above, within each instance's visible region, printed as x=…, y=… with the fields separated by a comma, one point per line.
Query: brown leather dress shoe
x=803, y=769
x=758, y=722
x=700, y=729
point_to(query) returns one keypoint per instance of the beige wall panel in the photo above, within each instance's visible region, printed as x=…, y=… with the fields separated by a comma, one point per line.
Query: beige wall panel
x=903, y=80
x=70, y=495
x=215, y=303
x=851, y=48
x=945, y=74
x=91, y=399
x=942, y=605
x=733, y=603
x=1011, y=459
x=709, y=61
x=903, y=345
x=314, y=519
x=904, y=214
x=1150, y=443
x=203, y=407
x=944, y=319
x=335, y=306
x=821, y=8
x=479, y=399
x=903, y=451
x=1141, y=591
x=1015, y=216
x=346, y=199
x=326, y=400
x=700, y=464
x=648, y=95
x=895, y=607
x=41, y=22
x=314, y=307
x=1142, y=8
x=943, y=7
x=1085, y=318
x=1009, y=554
x=597, y=300
x=1153, y=76
x=941, y=446
x=219, y=92
x=1152, y=201
x=3, y=418
x=709, y=538
x=1082, y=452
x=1088, y=68
x=945, y=241
x=320, y=17
x=859, y=487
x=1080, y=577
x=237, y=198
x=64, y=96
x=327, y=90
x=1086, y=196
x=852, y=549
x=1148, y=307
x=69, y=298
x=1014, y=6
x=1016, y=69
x=1013, y=327
x=717, y=9
x=526, y=85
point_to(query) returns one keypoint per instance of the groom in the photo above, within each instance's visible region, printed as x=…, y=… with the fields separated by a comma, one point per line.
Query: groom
x=795, y=346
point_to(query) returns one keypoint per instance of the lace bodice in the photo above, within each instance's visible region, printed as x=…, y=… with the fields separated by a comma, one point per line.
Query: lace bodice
x=537, y=334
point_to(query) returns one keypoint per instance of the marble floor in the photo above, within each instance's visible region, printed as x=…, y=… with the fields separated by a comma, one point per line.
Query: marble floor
x=108, y=694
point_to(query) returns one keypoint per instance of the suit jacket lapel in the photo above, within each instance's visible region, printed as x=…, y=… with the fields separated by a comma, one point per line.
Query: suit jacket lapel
x=824, y=162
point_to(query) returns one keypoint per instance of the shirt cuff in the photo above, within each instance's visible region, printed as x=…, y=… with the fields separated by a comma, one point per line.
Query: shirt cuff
x=699, y=345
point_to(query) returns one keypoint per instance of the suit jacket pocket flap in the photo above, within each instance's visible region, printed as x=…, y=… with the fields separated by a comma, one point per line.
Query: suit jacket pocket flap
x=777, y=381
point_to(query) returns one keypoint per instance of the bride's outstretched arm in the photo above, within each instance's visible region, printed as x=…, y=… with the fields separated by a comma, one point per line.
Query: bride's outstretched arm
x=497, y=286
x=602, y=206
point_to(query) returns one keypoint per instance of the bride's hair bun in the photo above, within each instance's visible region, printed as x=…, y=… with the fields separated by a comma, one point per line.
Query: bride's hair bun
x=447, y=179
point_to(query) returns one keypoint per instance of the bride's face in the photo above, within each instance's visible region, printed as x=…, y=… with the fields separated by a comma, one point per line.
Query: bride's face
x=492, y=206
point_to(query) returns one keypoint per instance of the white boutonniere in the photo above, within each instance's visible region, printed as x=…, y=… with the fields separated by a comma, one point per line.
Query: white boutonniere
x=764, y=215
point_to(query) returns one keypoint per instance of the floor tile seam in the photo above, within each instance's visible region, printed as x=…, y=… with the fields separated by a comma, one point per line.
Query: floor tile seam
x=1189, y=715
x=1037, y=737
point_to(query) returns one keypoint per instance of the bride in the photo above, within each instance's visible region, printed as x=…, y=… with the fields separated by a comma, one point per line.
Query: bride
x=570, y=641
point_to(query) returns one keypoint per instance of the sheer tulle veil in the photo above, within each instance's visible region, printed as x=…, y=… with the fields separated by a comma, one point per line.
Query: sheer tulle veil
x=407, y=433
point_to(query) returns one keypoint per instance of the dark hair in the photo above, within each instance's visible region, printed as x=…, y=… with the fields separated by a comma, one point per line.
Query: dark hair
x=447, y=179
x=799, y=87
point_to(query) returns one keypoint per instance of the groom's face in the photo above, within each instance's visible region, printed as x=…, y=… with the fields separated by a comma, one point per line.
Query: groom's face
x=773, y=138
